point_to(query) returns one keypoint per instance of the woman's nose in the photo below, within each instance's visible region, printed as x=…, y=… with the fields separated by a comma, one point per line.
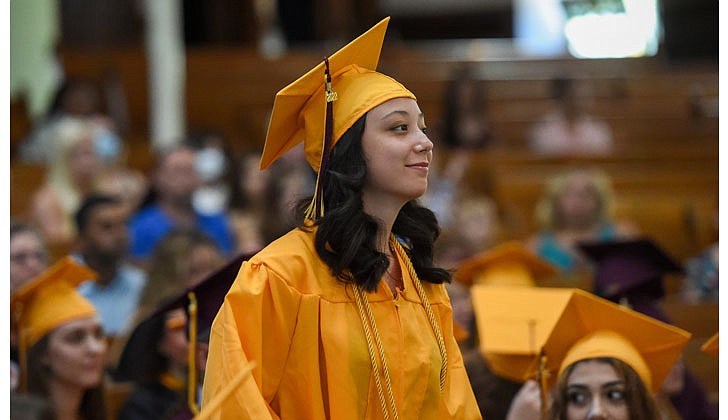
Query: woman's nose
x=96, y=345
x=597, y=411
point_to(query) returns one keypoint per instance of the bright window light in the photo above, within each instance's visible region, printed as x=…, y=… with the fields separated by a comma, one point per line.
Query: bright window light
x=631, y=32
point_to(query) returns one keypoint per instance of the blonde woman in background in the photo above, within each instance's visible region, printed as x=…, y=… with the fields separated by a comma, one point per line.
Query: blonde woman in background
x=577, y=205
x=73, y=169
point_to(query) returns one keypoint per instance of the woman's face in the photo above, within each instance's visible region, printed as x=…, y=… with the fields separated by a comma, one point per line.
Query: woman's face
x=397, y=151
x=578, y=204
x=595, y=391
x=28, y=258
x=83, y=160
x=76, y=353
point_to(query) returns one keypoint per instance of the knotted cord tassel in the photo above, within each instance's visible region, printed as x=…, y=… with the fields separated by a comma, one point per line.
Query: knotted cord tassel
x=316, y=209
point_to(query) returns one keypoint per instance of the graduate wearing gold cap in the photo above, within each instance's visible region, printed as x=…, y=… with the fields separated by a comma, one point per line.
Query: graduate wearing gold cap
x=570, y=340
x=345, y=316
x=61, y=341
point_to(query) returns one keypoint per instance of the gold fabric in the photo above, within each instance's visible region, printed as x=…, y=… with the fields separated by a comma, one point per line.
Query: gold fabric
x=301, y=327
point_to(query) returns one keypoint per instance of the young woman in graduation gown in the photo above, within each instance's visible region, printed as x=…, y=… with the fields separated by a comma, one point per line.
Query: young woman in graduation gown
x=345, y=316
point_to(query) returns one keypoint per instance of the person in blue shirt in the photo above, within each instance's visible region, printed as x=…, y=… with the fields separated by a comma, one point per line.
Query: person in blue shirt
x=173, y=182
x=103, y=241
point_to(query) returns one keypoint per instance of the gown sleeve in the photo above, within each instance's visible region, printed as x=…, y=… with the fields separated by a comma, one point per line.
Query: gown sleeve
x=255, y=324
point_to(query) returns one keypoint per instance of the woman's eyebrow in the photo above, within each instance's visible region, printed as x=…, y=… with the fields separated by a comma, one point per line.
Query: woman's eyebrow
x=612, y=383
x=420, y=117
x=402, y=113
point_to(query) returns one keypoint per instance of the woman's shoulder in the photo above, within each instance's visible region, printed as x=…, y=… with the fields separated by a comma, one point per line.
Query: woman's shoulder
x=293, y=259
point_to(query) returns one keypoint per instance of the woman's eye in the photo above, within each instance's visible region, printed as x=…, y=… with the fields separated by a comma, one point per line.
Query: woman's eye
x=400, y=128
x=425, y=130
x=75, y=337
x=615, y=395
x=577, y=398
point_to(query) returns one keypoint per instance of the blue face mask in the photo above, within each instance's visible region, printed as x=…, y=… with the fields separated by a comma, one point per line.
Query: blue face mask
x=107, y=145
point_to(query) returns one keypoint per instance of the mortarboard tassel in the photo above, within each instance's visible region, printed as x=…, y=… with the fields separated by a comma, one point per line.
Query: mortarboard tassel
x=191, y=356
x=316, y=208
x=543, y=377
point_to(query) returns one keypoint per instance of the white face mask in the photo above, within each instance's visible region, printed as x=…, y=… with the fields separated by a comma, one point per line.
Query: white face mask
x=210, y=200
x=210, y=163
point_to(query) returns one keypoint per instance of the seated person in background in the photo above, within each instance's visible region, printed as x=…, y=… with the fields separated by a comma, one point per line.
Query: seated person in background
x=701, y=272
x=65, y=342
x=569, y=128
x=174, y=181
x=103, y=244
x=166, y=385
x=631, y=272
x=576, y=206
x=28, y=254
x=466, y=121
x=592, y=358
x=74, y=167
x=28, y=259
x=180, y=260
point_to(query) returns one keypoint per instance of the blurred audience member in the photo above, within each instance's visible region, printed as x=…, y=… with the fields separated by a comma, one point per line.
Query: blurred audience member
x=290, y=180
x=213, y=165
x=76, y=98
x=478, y=224
x=155, y=360
x=445, y=187
x=174, y=181
x=180, y=260
x=65, y=342
x=248, y=203
x=570, y=128
x=103, y=244
x=701, y=272
x=576, y=206
x=466, y=121
x=28, y=254
x=74, y=167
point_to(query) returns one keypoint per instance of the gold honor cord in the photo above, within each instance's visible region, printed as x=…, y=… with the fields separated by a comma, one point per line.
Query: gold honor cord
x=191, y=356
x=371, y=333
x=428, y=309
x=366, y=320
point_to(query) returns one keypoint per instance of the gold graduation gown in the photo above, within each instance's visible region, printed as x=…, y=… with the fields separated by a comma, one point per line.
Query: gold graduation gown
x=301, y=327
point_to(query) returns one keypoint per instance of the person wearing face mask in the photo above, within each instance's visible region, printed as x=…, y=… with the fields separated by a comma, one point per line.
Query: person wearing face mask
x=170, y=206
x=346, y=315
x=213, y=167
x=62, y=342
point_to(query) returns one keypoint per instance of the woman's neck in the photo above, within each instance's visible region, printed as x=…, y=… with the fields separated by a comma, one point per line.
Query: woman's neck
x=66, y=400
x=385, y=213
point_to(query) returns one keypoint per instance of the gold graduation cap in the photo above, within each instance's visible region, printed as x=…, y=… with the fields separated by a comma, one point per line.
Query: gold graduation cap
x=510, y=263
x=537, y=332
x=319, y=107
x=49, y=301
x=711, y=346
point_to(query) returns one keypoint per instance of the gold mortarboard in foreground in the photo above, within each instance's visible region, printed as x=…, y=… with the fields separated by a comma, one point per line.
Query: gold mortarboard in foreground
x=319, y=107
x=519, y=325
x=711, y=346
x=510, y=263
x=51, y=299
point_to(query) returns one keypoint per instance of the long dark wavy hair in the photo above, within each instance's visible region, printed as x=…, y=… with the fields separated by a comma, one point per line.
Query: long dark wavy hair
x=93, y=405
x=346, y=239
x=640, y=403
